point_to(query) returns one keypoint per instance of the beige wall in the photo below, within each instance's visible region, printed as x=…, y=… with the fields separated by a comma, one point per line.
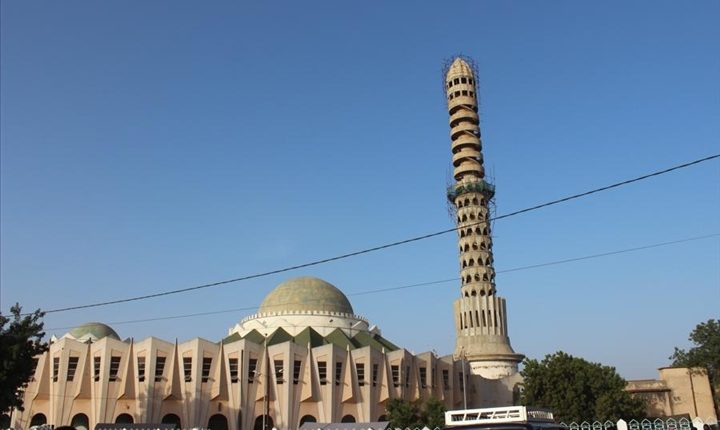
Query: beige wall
x=198, y=395
x=678, y=391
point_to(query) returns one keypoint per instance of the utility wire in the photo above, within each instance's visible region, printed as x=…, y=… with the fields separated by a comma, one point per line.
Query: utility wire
x=385, y=246
x=423, y=284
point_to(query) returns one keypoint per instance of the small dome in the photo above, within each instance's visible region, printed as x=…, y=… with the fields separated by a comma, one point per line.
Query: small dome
x=305, y=294
x=459, y=68
x=92, y=331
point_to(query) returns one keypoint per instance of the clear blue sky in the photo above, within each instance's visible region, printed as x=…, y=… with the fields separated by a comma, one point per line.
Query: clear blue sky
x=148, y=146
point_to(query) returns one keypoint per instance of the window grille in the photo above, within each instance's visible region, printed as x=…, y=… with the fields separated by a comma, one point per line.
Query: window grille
x=206, y=364
x=114, y=368
x=72, y=367
x=159, y=368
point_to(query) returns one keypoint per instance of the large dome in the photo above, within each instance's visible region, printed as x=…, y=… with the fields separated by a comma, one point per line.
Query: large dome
x=305, y=294
x=93, y=331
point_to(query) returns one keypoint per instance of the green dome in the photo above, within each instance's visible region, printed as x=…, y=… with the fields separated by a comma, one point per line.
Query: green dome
x=305, y=294
x=94, y=331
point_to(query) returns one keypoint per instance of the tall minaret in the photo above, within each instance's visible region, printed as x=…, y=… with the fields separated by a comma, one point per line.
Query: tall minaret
x=480, y=316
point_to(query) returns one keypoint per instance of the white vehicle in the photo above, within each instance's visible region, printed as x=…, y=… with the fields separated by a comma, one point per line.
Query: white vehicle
x=505, y=418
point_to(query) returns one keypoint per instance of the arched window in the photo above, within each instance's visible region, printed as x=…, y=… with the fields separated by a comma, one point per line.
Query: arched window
x=124, y=419
x=266, y=419
x=172, y=419
x=218, y=422
x=348, y=419
x=80, y=422
x=473, y=293
x=38, y=420
x=307, y=419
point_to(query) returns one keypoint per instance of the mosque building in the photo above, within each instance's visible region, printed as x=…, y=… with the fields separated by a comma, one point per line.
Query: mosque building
x=305, y=355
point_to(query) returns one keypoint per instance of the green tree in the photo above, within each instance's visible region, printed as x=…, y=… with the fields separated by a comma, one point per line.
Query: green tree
x=404, y=414
x=705, y=354
x=577, y=390
x=433, y=414
x=20, y=341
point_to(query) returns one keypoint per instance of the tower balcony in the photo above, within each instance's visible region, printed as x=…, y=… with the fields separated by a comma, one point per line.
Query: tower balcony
x=482, y=186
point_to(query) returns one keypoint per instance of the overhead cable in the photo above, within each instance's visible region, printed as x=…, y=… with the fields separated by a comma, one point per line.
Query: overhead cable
x=381, y=247
x=421, y=284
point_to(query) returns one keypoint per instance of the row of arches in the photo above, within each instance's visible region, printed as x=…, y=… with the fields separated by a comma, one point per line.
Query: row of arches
x=471, y=216
x=461, y=203
x=474, y=246
x=470, y=262
x=467, y=232
x=483, y=293
x=216, y=422
x=477, y=278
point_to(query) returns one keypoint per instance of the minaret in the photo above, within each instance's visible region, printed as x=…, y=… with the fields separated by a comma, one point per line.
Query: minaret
x=480, y=315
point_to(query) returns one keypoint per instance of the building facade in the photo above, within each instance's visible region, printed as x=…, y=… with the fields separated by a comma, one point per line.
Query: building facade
x=305, y=355
x=677, y=391
x=272, y=370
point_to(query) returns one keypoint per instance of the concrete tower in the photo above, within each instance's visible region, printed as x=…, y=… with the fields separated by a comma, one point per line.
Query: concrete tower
x=480, y=315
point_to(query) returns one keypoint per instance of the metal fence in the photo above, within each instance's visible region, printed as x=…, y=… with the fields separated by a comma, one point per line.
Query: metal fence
x=646, y=424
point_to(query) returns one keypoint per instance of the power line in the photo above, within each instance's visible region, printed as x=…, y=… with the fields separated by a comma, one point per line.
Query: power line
x=424, y=284
x=385, y=246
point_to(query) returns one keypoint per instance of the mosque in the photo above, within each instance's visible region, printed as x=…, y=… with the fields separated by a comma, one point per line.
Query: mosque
x=305, y=355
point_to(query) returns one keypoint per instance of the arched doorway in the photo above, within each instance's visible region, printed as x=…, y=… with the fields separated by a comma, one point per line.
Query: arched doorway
x=307, y=419
x=124, y=419
x=172, y=419
x=348, y=419
x=239, y=423
x=4, y=421
x=218, y=422
x=38, y=420
x=80, y=422
x=259, y=422
x=382, y=418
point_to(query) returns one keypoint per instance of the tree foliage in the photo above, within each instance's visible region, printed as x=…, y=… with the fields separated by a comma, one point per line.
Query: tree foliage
x=20, y=340
x=577, y=390
x=705, y=354
x=404, y=414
